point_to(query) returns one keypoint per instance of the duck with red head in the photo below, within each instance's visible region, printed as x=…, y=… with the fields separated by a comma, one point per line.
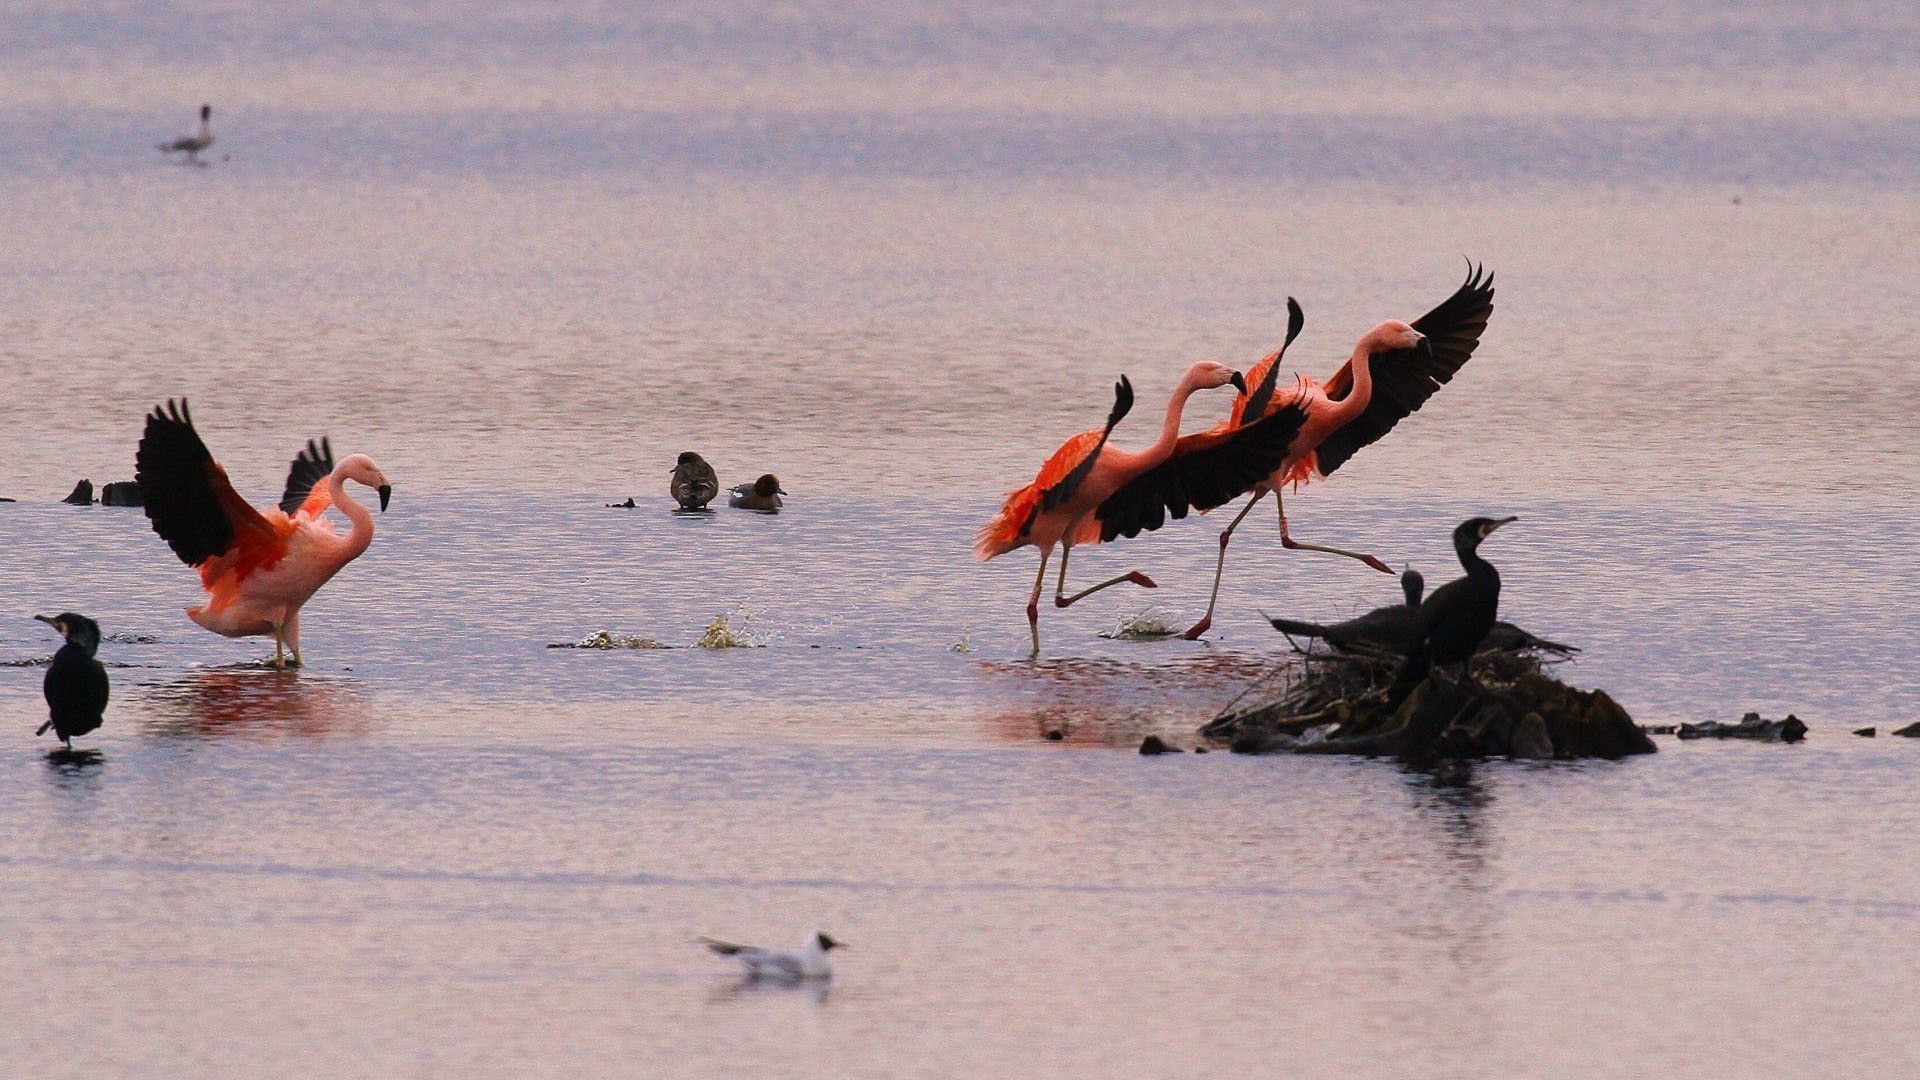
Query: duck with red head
x=762, y=495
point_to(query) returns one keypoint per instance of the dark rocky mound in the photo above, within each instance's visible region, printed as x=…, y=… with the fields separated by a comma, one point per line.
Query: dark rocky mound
x=81, y=495
x=1911, y=731
x=1338, y=705
x=121, y=493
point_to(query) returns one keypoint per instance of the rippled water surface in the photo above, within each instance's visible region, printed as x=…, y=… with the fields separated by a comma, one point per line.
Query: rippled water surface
x=894, y=254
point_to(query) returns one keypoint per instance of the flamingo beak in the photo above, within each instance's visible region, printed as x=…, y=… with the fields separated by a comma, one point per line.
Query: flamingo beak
x=386, y=493
x=1239, y=382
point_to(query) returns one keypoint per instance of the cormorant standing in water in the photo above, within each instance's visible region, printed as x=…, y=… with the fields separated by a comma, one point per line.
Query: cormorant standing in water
x=76, y=684
x=1395, y=629
x=1458, y=616
x=694, y=484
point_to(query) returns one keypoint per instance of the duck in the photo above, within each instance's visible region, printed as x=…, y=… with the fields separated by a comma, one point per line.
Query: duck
x=762, y=495
x=694, y=484
x=76, y=683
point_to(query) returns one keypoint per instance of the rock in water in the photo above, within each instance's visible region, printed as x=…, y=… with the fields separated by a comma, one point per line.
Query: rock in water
x=1911, y=731
x=1533, y=716
x=121, y=493
x=1866, y=732
x=82, y=494
x=1153, y=744
x=1751, y=726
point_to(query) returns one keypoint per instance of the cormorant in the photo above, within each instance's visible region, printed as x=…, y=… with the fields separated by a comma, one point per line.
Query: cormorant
x=762, y=495
x=76, y=684
x=694, y=484
x=1459, y=615
x=1394, y=629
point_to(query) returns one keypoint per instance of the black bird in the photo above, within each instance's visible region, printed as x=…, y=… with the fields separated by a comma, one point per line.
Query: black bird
x=1458, y=616
x=1395, y=629
x=694, y=484
x=76, y=684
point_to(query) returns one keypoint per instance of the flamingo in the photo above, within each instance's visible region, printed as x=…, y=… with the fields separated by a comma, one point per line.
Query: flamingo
x=258, y=568
x=1394, y=369
x=1077, y=496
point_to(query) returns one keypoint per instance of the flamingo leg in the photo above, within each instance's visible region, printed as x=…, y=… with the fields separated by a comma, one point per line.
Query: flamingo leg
x=1219, y=568
x=1060, y=599
x=292, y=631
x=279, y=649
x=1033, y=601
x=1291, y=544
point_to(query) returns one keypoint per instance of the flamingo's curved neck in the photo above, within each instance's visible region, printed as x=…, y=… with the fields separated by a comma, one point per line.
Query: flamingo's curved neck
x=1357, y=399
x=1162, y=448
x=362, y=521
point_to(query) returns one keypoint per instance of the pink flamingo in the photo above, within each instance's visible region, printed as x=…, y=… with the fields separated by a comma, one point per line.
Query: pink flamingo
x=258, y=569
x=1394, y=369
x=1086, y=479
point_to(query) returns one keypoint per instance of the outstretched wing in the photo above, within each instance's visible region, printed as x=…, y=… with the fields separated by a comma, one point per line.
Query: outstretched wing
x=1206, y=470
x=1404, y=379
x=306, y=489
x=1059, y=478
x=725, y=948
x=187, y=495
x=1254, y=405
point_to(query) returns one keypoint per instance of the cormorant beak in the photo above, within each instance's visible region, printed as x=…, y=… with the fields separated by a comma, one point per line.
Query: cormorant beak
x=386, y=492
x=1239, y=382
x=53, y=622
x=1497, y=523
x=1426, y=350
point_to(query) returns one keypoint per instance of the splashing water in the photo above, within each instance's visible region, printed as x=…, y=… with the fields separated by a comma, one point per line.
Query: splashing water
x=1150, y=625
x=604, y=639
x=724, y=635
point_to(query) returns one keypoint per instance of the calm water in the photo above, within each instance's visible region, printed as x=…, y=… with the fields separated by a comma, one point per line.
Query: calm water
x=895, y=254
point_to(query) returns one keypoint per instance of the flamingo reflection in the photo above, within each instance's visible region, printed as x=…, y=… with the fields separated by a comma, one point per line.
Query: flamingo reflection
x=251, y=703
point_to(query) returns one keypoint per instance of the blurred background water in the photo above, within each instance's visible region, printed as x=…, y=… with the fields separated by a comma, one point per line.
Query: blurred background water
x=895, y=253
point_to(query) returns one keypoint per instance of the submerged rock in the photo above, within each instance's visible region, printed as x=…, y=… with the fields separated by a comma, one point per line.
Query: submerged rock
x=1911, y=731
x=121, y=493
x=81, y=495
x=1866, y=732
x=1153, y=744
x=1751, y=726
x=1661, y=729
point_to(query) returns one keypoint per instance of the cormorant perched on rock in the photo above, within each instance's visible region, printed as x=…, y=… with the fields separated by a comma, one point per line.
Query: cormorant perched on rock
x=762, y=495
x=1459, y=615
x=1394, y=629
x=76, y=684
x=694, y=484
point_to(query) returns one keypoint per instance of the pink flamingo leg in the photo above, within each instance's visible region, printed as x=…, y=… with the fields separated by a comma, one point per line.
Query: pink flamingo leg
x=1060, y=599
x=1033, y=601
x=1291, y=544
x=1193, y=632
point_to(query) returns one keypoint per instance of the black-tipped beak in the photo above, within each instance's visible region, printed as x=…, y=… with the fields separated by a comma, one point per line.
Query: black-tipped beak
x=1239, y=382
x=386, y=493
x=1426, y=347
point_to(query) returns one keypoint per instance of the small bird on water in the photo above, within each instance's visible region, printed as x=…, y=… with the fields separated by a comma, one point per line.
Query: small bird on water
x=694, y=484
x=192, y=144
x=762, y=495
x=807, y=963
x=1459, y=615
x=76, y=684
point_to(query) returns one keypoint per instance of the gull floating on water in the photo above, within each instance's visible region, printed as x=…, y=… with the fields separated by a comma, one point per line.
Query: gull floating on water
x=192, y=144
x=807, y=963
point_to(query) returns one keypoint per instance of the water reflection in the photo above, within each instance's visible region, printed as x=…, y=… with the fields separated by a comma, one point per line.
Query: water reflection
x=256, y=703
x=75, y=770
x=747, y=988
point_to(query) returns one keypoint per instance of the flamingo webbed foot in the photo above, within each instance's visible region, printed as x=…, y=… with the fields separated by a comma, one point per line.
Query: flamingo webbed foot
x=1193, y=632
x=1141, y=580
x=1376, y=564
